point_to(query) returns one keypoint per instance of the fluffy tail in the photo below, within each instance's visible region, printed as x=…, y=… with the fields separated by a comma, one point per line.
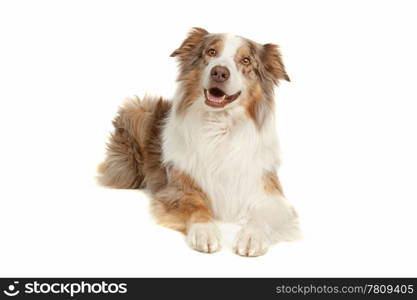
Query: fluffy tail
x=133, y=158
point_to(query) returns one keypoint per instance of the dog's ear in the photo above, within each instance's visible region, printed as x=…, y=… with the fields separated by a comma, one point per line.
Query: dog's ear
x=272, y=63
x=194, y=38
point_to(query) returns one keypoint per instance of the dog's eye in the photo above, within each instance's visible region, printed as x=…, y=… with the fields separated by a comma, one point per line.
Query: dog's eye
x=211, y=52
x=246, y=61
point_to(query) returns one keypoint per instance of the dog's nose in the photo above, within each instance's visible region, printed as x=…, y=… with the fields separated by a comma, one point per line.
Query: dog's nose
x=219, y=74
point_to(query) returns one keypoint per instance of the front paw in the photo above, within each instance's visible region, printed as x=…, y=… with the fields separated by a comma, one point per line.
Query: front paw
x=204, y=237
x=251, y=242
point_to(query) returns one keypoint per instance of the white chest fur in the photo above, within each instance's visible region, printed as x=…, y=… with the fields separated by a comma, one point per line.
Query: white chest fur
x=225, y=153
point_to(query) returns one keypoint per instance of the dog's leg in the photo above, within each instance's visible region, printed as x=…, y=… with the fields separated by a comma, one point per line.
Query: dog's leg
x=271, y=220
x=182, y=206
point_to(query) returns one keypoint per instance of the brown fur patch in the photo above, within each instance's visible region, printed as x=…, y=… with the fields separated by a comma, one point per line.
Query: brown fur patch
x=190, y=52
x=253, y=100
x=133, y=157
x=192, y=89
x=195, y=37
x=272, y=185
x=272, y=61
x=181, y=203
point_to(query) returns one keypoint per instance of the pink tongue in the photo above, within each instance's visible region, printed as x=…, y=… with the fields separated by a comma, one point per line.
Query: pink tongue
x=215, y=98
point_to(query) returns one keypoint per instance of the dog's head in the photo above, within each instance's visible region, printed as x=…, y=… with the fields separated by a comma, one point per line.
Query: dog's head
x=224, y=70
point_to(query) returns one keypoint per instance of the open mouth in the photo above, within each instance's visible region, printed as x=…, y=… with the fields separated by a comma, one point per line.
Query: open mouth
x=215, y=97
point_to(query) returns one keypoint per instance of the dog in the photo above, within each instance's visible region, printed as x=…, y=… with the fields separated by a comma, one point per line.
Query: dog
x=212, y=152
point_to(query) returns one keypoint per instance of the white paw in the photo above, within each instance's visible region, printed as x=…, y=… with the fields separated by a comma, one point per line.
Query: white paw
x=204, y=237
x=251, y=242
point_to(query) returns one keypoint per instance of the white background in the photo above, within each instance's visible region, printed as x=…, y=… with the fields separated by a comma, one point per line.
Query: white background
x=347, y=124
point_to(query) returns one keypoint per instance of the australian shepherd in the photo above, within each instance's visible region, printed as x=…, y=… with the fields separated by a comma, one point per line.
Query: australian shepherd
x=212, y=152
